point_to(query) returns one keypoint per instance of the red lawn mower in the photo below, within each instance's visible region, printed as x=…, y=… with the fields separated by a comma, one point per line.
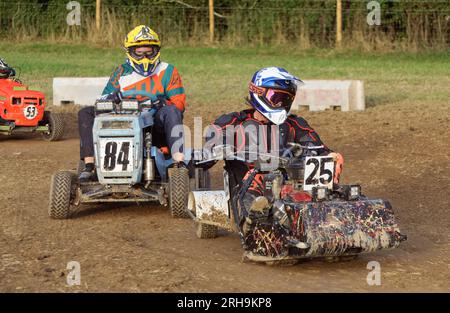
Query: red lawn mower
x=23, y=110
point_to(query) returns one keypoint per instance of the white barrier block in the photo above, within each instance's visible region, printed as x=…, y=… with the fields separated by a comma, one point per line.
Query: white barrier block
x=320, y=95
x=78, y=90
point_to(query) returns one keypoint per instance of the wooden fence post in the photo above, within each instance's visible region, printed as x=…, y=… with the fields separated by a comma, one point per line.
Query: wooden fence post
x=338, y=23
x=98, y=13
x=211, y=21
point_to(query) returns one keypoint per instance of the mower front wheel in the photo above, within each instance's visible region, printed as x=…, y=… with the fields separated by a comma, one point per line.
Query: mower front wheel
x=61, y=195
x=55, y=124
x=178, y=191
x=205, y=231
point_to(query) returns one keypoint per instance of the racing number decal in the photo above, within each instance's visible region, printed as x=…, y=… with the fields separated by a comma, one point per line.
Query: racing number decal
x=122, y=158
x=109, y=163
x=113, y=159
x=318, y=172
x=30, y=112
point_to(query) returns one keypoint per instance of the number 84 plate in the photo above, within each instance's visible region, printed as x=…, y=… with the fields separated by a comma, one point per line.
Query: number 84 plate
x=116, y=155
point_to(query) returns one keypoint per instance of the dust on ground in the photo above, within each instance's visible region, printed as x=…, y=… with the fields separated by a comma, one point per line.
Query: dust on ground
x=398, y=152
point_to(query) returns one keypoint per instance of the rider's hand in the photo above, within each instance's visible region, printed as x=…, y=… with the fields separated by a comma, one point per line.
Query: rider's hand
x=159, y=102
x=339, y=161
x=115, y=97
x=178, y=157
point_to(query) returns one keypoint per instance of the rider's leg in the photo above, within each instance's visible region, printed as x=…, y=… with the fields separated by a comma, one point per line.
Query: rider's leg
x=86, y=118
x=166, y=119
x=254, y=202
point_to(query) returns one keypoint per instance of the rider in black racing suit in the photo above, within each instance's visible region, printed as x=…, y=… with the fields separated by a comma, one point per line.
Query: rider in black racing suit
x=268, y=126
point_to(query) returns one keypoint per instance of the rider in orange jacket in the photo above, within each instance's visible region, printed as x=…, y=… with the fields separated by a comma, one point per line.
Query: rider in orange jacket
x=145, y=73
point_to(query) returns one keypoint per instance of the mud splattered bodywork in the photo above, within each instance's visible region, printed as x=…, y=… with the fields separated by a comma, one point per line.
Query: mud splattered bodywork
x=295, y=211
x=328, y=228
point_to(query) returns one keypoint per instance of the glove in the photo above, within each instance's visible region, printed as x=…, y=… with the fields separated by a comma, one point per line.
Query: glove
x=339, y=161
x=159, y=102
x=116, y=96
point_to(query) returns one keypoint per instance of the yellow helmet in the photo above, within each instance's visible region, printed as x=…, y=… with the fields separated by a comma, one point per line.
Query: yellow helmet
x=142, y=35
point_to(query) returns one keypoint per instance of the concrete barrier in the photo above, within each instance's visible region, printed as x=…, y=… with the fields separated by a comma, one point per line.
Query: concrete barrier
x=317, y=95
x=320, y=95
x=73, y=90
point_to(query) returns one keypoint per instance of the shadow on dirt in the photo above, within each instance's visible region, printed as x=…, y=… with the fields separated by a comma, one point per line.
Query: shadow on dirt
x=70, y=125
x=86, y=210
x=372, y=101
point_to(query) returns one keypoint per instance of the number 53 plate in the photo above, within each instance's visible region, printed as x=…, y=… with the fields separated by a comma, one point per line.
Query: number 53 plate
x=319, y=172
x=116, y=155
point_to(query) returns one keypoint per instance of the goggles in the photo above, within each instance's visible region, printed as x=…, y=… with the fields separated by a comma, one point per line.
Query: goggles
x=139, y=55
x=275, y=98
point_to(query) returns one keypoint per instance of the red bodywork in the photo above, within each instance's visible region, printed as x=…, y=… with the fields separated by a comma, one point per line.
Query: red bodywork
x=19, y=105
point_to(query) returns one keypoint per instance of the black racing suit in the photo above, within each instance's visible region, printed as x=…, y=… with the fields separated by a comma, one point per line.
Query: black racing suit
x=239, y=128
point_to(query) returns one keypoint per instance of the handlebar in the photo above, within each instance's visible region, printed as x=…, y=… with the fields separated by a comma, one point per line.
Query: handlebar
x=227, y=152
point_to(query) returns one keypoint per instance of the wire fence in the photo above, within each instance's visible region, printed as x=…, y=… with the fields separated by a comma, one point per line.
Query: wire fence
x=301, y=23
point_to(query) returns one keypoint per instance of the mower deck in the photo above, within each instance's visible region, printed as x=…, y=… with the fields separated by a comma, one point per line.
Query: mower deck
x=91, y=192
x=10, y=129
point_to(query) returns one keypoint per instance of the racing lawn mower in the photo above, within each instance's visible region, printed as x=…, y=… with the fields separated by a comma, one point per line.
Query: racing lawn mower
x=23, y=110
x=303, y=214
x=129, y=168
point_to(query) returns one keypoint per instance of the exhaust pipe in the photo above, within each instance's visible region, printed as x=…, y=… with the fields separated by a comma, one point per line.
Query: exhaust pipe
x=149, y=173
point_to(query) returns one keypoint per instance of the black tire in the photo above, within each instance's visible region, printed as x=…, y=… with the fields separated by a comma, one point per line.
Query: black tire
x=178, y=191
x=205, y=231
x=60, y=195
x=56, y=126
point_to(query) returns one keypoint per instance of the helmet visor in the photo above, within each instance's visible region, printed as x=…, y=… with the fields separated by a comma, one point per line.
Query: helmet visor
x=139, y=53
x=278, y=99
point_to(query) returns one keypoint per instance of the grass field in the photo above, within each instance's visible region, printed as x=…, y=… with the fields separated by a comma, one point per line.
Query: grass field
x=219, y=76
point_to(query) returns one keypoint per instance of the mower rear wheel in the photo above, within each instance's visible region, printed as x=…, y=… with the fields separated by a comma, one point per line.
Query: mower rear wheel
x=60, y=195
x=55, y=124
x=205, y=231
x=178, y=191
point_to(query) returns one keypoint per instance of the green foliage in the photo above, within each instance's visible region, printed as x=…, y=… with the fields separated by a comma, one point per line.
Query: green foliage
x=219, y=76
x=301, y=23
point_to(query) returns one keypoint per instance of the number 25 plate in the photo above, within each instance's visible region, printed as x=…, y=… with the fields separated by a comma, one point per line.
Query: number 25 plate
x=116, y=155
x=319, y=172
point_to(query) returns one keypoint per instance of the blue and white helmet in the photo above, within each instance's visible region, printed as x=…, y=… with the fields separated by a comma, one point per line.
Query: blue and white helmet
x=272, y=91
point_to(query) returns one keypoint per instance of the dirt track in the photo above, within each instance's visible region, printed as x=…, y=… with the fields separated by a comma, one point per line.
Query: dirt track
x=397, y=152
